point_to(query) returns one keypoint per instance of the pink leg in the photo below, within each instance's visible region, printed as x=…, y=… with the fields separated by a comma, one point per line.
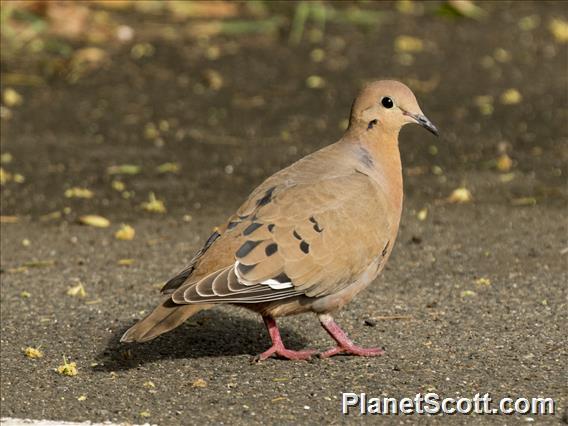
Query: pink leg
x=278, y=348
x=344, y=343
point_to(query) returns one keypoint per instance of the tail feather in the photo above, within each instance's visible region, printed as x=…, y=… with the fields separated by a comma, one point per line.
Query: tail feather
x=165, y=317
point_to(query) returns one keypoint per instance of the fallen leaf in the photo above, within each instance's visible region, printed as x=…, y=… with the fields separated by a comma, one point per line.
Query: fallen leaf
x=9, y=219
x=154, y=205
x=511, y=97
x=39, y=264
x=559, y=29
x=483, y=282
x=524, y=201
x=25, y=294
x=126, y=232
x=6, y=158
x=145, y=414
x=315, y=82
x=118, y=185
x=124, y=169
x=468, y=293
x=149, y=384
x=408, y=44
x=199, y=383
x=168, y=168
x=460, y=196
x=94, y=220
x=5, y=176
x=485, y=104
x=67, y=369
x=82, y=398
x=125, y=262
x=77, y=192
x=33, y=353
x=11, y=98
x=213, y=78
x=504, y=163
x=77, y=290
x=422, y=214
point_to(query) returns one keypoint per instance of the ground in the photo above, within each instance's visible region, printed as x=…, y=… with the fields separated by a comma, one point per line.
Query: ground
x=474, y=296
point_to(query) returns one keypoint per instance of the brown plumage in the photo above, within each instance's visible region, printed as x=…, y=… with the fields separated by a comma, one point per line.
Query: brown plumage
x=311, y=236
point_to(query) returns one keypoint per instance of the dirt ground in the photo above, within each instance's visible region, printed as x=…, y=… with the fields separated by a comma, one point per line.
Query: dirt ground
x=473, y=299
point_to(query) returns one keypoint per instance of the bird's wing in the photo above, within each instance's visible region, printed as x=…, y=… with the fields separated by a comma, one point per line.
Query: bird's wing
x=292, y=239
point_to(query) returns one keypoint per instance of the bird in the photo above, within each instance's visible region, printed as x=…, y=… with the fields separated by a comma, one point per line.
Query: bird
x=310, y=237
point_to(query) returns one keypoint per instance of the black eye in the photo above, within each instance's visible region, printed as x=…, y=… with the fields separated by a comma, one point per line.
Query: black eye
x=387, y=102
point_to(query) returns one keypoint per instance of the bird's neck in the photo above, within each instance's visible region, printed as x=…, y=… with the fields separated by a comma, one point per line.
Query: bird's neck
x=378, y=152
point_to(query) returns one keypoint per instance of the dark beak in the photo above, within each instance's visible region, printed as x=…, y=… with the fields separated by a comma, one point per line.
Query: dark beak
x=424, y=122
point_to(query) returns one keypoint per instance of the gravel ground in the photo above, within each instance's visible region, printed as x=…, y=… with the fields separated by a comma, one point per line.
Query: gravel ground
x=473, y=299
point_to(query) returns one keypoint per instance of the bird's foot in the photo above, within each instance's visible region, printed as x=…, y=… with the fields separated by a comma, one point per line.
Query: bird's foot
x=344, y=344
x=281, y=352
x=352, y=350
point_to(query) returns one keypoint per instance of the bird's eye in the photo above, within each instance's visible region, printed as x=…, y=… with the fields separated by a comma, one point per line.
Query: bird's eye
x=387, y=102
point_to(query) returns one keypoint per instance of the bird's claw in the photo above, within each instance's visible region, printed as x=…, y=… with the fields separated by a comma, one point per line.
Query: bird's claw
x=352, y=350
x=282, y=352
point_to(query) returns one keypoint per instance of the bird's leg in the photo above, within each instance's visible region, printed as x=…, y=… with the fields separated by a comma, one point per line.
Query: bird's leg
x=277, y=347
x=344, y=343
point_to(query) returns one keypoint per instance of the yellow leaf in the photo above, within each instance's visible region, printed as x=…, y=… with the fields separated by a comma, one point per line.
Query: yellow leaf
x=82, y=398
x=154, y=205
x=118, y=185
x=149, y=384
x=315, y=82
x=422, y=214
x=124, y=169
x=199, y=383
x=67, y=369
x=126, y=232
x=125, y=262
x=483, y=282
x=504, y=163
x=511, y=97
x=77, y=290
x=11, y=97
x=33, y=353
x=408, y=44
x=94, y=220
x=168, y=168
x=460, y=196
x=559, y=29
x=485, y=104
x=77, y=192
x=467, y=293
x=145, y=414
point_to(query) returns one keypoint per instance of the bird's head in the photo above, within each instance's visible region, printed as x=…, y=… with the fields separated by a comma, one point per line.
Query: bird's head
x=386, y=106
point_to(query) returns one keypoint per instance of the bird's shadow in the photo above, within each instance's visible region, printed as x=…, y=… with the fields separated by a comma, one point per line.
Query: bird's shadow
x=207, y=334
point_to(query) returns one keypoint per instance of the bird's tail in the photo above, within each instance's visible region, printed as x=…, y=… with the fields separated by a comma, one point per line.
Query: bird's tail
x=165, y=317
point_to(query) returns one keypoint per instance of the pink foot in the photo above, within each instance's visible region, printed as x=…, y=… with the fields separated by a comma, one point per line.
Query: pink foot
x=344, y=344
x=278, y=348
x=282, y=352
x=352, y=350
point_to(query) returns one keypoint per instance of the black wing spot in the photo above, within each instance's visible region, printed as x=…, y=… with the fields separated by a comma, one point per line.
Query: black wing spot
x=296, y=235
x=251, y=228
x=231, y=225
x=282, y=278
x=271, y=227
x=246, y=248
x=317, y=227
x=372, y=123
x=271, y=249
x=211, y=240
x=305, y=247
x=385, y=250
x=267, y=198
x=244, y=269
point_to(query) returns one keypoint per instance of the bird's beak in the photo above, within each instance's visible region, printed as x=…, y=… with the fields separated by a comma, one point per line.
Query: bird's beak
x=423, y=121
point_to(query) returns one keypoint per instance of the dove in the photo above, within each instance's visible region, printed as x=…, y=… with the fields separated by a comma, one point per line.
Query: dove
x=310, y=237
